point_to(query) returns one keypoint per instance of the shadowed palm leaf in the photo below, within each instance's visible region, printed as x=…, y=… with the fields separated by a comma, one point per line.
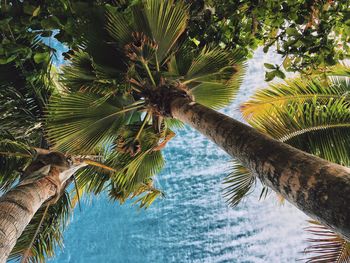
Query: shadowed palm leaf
x=14, y=156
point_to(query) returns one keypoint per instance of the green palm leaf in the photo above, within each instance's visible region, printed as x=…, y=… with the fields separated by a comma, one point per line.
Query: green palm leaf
x=81, y=122
x=213, y=76
x=131, y=173
x=118, y=27
x=133, y=170
x=167, y=20
x=292, y=91
x=162, y=21
x=326, y=246
x=320, y=129
x=14, y=156
x=239, y=184
x=149, y=195
x=341, y=70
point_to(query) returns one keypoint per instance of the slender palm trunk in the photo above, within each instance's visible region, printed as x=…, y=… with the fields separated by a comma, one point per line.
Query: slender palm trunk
x=319, y=188
x=17, y=208
x=48, y=176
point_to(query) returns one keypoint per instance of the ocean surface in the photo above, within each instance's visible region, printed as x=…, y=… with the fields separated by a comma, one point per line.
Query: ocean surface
x=192, y=223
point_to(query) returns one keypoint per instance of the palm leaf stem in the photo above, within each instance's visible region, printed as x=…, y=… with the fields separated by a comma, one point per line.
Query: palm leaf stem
x=293, y=97
x=127, y=109
x=87, y=161
x=77, y=191
x=145, y=65
x=315, y=128
x=157, y=63
x=97, y=164
x=16, y=154
x=137, y=90
x=142, y=126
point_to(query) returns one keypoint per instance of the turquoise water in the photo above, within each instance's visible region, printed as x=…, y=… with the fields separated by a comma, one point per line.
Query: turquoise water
x=192, y=223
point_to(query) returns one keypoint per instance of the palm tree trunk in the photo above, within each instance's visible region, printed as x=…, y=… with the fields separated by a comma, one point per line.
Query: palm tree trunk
x=319, y=188
x=17, y=208
x=48, y=176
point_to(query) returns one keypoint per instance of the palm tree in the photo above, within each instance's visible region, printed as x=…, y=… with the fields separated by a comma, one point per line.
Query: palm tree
x=137, y=79
x=21, y=137
x=25, y=89
x=312, y=116
x=20, y=204
x=26, y=86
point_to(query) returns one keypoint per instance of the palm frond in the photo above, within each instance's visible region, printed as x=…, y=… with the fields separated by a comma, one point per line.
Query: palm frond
x=265, y=101
x=92, y=179
x=239, y=184
x=79, y=122
x=24, y=93
x=341, y=70
x=326, y=246
x=161, y=21
x=14, y=156
x=312, y=116
x=213, y=76
x=133, y=170
x=165, y=20
x=118, y=27
x=320, y=129
x=84, y=75
x=149, y=195
x=173, y=123
x=50, y=233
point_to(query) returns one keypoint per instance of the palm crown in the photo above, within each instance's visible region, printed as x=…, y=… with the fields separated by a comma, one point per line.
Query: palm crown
x=114, y=100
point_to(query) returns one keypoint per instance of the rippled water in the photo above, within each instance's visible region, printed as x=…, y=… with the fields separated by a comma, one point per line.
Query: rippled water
x=193, y=223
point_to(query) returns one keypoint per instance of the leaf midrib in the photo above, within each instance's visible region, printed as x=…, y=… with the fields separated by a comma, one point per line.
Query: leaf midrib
x=314, y=128
x=295, y=97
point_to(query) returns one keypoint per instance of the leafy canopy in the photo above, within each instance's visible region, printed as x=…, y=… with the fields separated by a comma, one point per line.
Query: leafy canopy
x=112, y=102
x=309, y=35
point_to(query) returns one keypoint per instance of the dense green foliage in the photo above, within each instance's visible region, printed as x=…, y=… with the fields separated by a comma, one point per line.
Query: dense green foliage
x=122, y=52
x=308, y=34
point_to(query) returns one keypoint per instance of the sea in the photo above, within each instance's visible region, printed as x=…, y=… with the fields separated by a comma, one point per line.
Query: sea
x=193, y=222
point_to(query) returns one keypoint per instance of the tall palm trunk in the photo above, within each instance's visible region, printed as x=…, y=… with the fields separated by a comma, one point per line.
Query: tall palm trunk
x=17, y=208
x=319, y=188
x=48, y=176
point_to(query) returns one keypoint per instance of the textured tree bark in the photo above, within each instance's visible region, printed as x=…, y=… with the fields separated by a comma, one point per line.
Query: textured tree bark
x=17, y=208
x=46, y=177
x=319, y=188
